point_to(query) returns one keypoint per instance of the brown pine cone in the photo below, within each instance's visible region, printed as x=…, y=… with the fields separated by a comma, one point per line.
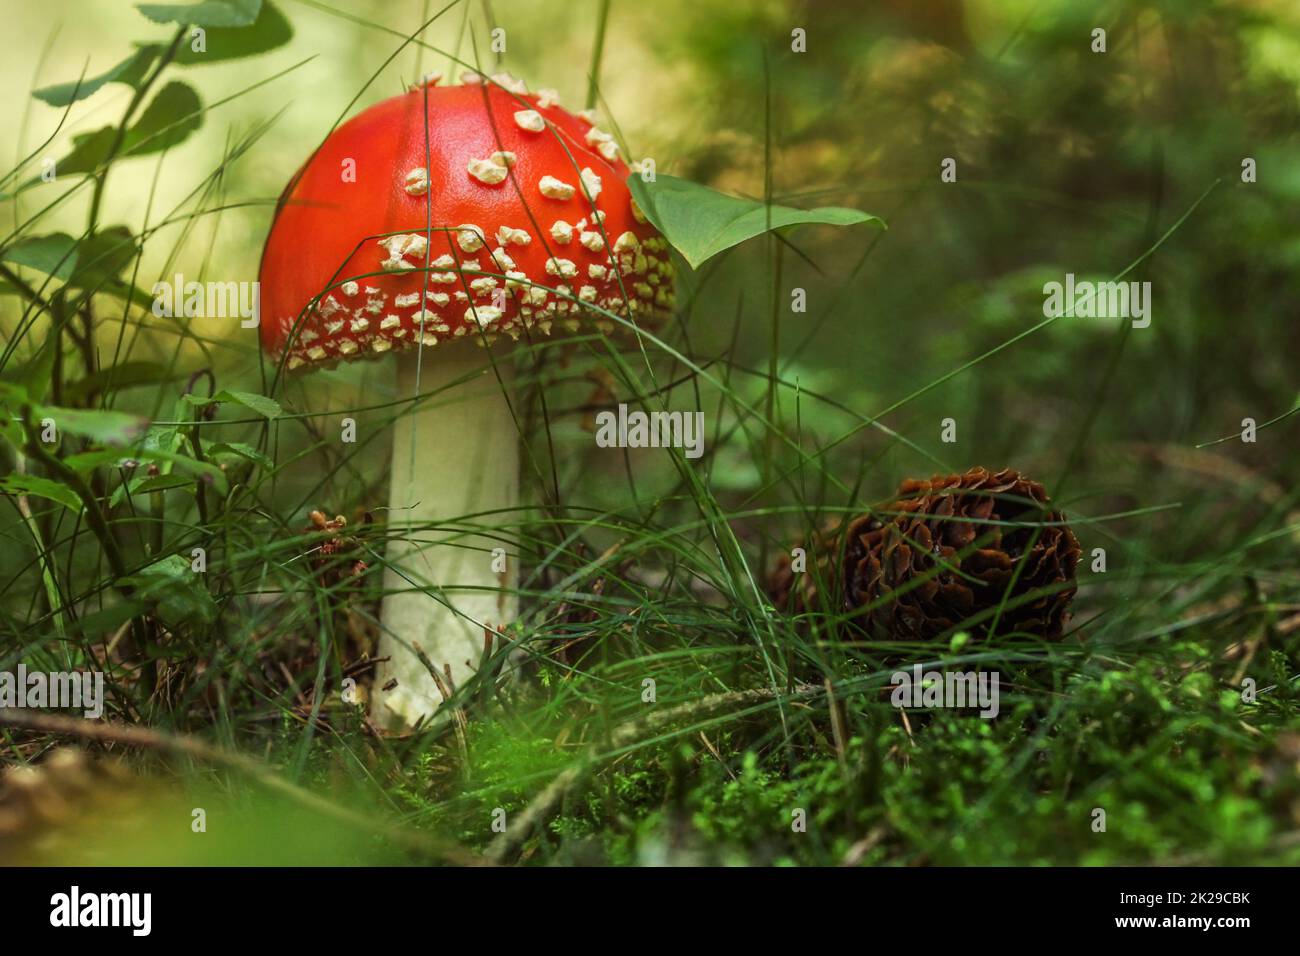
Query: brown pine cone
x=882, y=578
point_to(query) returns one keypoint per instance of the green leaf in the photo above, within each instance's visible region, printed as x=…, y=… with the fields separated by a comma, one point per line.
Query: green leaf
x=87, y=264
x=162, y=483
x=101, y=257
x=166, y=460
x=266, y=407
x=36, y=375
x=55, y=254
x=41, y=488
x=171, y=116
x=103, y=426
x=154, y=131
x=205, y=13
x=198, y=469
x=700, y=222
x=108, y=620
x=130, y=71
x=235, y=449
x=144, y=484
x=178, y=591
x=84, y=461
x=271, y=30
x=88, y=151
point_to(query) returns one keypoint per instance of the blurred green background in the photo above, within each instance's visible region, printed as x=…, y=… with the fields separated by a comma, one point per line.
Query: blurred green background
x=1068, y=161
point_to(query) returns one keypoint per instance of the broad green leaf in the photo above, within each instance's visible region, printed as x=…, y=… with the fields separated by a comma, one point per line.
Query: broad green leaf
x=180, y=593
x=700, y=222
x=101, y=257
x=88, y=151
x=205, y=13
x=130, y=71
x=266, y=407
x=154, y=131
x=235, y=449
x=103, y=426
x=84, y=461
x=88, y=264
x=55, y=254
x=228, y=43
x=41, y=488
x=197, y=469
x=171, y=116
x=166, y=460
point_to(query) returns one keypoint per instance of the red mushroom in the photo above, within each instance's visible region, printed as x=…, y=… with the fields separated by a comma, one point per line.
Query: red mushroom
x=474, y=212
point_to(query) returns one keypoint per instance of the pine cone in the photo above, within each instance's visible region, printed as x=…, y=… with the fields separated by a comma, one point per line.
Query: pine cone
x=886, y=576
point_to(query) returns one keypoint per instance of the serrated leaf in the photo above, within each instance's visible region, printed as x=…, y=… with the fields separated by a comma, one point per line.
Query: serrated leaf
x=55, y=254
x=104, y=426
x=700, y=222
x=270, y=30
x=205, y=13
x=130, y=71
x=41, y=488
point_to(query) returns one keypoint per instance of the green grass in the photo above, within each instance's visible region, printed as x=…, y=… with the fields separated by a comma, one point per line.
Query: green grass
x=646, y=566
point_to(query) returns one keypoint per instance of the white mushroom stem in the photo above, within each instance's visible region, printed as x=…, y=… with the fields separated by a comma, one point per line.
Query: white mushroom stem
x=455, y=457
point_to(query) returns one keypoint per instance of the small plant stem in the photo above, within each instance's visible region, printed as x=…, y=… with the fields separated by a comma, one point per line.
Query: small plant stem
x=94, y=514
x=119, y=136
x=597, y=54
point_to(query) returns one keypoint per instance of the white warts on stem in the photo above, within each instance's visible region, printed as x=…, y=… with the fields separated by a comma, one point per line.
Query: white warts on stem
x=454, y=491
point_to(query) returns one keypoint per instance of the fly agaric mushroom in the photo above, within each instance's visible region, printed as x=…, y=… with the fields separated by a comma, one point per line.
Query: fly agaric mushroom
x=472, y=212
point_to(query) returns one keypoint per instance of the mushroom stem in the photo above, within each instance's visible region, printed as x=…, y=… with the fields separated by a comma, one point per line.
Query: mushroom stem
x=455, y=467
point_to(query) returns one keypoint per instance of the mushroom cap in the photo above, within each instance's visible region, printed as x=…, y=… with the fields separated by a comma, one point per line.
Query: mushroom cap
x=497, y=206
